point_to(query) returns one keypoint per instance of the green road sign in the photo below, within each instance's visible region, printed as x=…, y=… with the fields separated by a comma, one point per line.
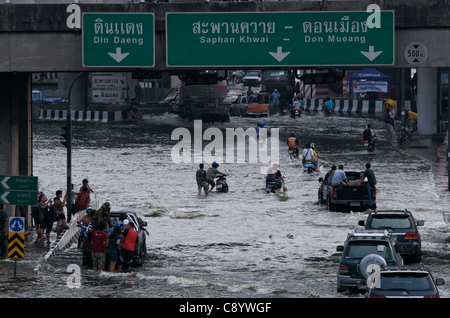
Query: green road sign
x=13, y=183
x=279, y=39
x=118, y=39
x=18, y=197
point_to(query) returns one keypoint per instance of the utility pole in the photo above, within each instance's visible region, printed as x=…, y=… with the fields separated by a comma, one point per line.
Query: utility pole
x=69, y=152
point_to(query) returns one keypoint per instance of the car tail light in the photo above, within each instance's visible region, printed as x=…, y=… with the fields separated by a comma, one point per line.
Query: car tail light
x=343, y=269
x=411, y=236
x=334, y=193
x=375, y=296
x=374, y=193
x=435, y=296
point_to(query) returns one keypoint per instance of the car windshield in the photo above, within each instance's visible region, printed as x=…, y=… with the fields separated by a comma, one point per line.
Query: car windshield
x=276, y=74
x=35, y=95
x=391, y=221
x=251, y=74
x=359, y=249
x=406, y=281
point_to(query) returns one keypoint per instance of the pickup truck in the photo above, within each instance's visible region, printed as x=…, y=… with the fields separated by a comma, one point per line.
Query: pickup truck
x=347, y=197
x=256, y=104
x=39, y=99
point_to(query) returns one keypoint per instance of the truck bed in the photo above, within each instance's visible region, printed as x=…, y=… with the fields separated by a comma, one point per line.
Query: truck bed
x=258, y=109
x=354, y=196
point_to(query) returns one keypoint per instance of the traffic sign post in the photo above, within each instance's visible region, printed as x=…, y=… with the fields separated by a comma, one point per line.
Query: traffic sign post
x=118, y=39
x=16, y=239
x=18, y=190
x=279, y=39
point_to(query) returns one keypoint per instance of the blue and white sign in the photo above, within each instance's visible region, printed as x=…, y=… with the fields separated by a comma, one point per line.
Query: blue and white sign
x=16, y=224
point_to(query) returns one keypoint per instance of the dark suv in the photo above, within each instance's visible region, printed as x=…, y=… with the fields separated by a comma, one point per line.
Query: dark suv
x=359, y=251
x=404, y=281
x=402, y=224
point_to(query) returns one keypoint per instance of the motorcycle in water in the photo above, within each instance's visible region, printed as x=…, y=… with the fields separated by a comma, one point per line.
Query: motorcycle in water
x=295, y=112
x=221, y=183
x=370, y=146
x=272, y=186
x=292, y=154
x=309, y=167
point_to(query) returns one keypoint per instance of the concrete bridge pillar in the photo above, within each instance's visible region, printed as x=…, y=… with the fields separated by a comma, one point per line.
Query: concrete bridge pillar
x=15, y=127
x=426, y=100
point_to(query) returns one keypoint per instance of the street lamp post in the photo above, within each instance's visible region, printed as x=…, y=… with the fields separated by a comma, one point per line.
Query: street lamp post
x=69, y=152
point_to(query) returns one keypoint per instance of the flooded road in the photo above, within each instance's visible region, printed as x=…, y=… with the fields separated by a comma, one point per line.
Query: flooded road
x=241, y=244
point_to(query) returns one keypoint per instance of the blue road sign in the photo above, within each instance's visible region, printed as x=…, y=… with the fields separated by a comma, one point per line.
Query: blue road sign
x=16, y=224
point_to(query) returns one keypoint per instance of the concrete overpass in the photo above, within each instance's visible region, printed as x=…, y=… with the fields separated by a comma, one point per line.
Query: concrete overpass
x=46, y=36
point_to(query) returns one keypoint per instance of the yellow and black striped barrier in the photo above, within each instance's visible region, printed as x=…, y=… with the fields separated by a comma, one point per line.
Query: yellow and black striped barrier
x=16, y=244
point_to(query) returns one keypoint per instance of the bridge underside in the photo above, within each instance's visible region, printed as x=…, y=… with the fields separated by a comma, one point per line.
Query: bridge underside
x=48, y=37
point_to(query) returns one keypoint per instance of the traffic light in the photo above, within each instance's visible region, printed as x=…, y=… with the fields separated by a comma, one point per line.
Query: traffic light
x=65, y=135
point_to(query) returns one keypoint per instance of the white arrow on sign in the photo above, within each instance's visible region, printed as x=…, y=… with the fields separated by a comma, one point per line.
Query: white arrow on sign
x=371, y=55
x=118, y=56
x=279, y=56
x=4, y=182
x=4, y=197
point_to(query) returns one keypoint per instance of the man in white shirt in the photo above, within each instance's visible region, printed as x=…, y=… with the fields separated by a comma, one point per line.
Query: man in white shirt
x=339, y=177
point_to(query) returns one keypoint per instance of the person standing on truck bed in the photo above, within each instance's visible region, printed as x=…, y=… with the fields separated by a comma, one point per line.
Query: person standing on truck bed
x=368, y=173
x=339, y=177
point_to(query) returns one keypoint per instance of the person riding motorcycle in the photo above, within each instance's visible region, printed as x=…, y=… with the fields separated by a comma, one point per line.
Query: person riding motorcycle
x=369, y=136
x=296, y=106
x=316, y=155
x=211, y=174
x=329, y=106
x=292, y=143
x=271, y=177
x=310, y=155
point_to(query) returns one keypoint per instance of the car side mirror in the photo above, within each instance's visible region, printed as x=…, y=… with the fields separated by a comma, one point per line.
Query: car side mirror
x=320, y=179
x=361, y=223
x=420, y=223
x=440, y=281
x=339, y=248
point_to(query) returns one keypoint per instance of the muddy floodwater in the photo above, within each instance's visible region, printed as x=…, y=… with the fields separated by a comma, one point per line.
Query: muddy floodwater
x=241, y=244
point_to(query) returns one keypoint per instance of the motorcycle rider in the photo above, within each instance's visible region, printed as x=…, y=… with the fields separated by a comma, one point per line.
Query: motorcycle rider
x=296, y=105
x=292, y=143
x=316, y=155
x=310, y=155
x=329, y=106
x=369, y=135
x=284, y=104
x=271, y=176
x=211, y=174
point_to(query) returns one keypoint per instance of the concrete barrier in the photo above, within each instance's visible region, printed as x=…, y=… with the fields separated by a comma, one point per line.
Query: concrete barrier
x=349, y=106
x=79, y=115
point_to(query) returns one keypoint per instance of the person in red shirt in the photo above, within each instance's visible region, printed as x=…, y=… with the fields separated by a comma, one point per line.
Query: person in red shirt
x=130, y=240
x=83, y=199
x=99, y=244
